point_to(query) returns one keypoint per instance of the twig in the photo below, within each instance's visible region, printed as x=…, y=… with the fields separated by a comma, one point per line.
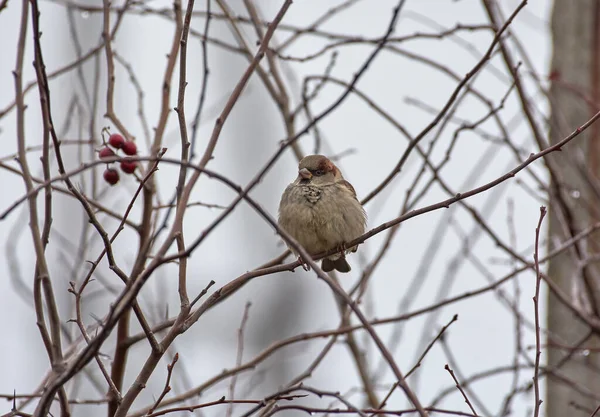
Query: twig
x=428, y=348
x=167, y=387
x=538, y=279
x=220, y=401
x=418, y=364
x=358, y=356
x=114, y=392
x=202, y=293
x=240, y=354
x=447, y=368
x=204, y=87
x=110, y=68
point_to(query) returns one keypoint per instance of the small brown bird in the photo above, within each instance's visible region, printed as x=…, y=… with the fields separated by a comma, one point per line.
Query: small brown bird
x=320, y=210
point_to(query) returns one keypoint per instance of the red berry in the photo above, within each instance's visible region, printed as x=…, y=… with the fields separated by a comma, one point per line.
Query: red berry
x=111, y=176
x=106, y=152
x=128, y=166
x=116, y=140
x=129, y=148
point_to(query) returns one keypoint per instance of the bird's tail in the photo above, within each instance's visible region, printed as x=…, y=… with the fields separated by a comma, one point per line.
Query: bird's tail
x=339, y=264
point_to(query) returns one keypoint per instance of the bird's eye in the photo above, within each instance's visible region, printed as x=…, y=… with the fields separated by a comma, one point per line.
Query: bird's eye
x=319, y=172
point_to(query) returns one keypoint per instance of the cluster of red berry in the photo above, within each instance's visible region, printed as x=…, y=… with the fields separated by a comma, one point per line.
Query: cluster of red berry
x=128, y=166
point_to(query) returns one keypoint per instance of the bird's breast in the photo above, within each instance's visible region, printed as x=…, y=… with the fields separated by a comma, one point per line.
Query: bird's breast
x=302, y=205
x=320, y=218
x=311, y=194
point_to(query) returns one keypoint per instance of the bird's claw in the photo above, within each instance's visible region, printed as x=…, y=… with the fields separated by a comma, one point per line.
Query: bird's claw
x=303, y=264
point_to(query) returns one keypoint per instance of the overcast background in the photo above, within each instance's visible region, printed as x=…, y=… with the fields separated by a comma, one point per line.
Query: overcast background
x=287, y=304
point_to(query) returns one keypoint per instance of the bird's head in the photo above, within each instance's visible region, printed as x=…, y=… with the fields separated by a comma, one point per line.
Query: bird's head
x=317, y=170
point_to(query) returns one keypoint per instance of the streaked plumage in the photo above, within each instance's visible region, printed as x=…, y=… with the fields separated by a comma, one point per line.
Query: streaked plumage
x=321, y=211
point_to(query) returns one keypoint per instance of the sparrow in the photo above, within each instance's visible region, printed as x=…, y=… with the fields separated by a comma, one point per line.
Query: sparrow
x=320, y=210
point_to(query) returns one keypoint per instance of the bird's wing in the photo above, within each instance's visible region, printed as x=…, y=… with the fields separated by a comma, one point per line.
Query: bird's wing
x=348, y=186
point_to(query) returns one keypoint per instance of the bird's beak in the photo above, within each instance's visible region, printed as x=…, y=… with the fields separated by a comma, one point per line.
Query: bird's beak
x=305, y=174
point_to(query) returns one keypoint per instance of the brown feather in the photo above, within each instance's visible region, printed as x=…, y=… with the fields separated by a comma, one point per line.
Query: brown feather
x=348, y=186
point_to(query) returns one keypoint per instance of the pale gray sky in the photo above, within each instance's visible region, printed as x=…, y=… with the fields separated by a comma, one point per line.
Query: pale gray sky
x=483, y=336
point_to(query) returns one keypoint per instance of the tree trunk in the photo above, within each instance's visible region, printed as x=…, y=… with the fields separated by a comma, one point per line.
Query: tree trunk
x=573, y=95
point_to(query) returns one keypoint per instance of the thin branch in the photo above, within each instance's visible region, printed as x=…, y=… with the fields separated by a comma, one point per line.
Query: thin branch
x=447, y=368
x=240, y=355
x=167, y=387
x=538, y=279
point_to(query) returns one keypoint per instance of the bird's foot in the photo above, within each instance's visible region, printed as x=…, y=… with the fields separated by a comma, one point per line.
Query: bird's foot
x=341, y=248
x=303, y=264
